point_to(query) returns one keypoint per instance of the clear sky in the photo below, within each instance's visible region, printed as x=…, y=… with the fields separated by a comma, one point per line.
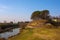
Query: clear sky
x=21, y=10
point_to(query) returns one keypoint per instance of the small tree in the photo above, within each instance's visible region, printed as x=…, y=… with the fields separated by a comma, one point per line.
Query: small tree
x=11, y=22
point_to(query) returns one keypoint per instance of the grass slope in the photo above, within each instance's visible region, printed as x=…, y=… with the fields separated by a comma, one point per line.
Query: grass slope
x=38, y=34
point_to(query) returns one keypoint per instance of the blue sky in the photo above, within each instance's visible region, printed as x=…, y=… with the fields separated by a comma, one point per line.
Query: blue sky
x=21, y=10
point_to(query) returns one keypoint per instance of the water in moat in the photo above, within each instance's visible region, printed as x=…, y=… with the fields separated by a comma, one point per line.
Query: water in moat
x=8, y=34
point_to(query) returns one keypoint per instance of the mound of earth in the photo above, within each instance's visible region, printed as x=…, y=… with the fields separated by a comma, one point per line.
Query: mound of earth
x=39, y=23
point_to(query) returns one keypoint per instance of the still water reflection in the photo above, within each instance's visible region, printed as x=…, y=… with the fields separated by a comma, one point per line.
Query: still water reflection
x=10, y=33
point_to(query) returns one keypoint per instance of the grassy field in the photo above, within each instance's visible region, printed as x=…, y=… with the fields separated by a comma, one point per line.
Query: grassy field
x=38, y=34
x=37, y=30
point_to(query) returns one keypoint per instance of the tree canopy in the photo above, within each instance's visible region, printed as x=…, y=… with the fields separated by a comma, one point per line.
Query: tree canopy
x=40, y=15
x=35, y=15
